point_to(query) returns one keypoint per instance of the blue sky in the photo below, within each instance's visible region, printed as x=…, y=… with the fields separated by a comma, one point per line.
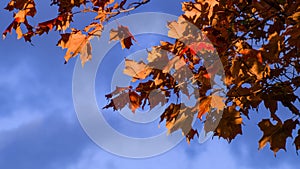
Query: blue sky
x=39, y=128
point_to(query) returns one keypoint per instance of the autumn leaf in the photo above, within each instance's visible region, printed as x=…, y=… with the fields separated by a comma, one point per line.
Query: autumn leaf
x=61, y=22
x=277, y=134
x=235, y=68
x=180, y=117
x=156, y=97
x=69, y=5
x=183, y=122
x=204, y=106
x=123, y=96
x=116, y=92
x=191, y=135
x=230, y=124
x=211, y=121
x=135, y=101
x=212, y=4
x=257, y=43
x=297, y=141
x=251, y=53
x=20, y=17
x=191, y=10
x=101, y=3
x=177, y=29
x=76, y=43
x=175, y=63
x=93, y=28
x=170, y=113
x=118, y=102
x=296, y=16
x=158, y=57
x=270, y=103
x=14, y=24
x=28, y=6
x=146, y=86
x=123, y=35
x=137, y=70
x=202, y=47
x=183, y=77
x=217, y=102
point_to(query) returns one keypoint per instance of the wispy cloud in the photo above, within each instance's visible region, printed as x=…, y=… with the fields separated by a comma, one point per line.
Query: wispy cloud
x=46, y=143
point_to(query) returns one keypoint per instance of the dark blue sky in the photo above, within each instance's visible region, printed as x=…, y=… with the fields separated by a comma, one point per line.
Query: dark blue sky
x=39, y=128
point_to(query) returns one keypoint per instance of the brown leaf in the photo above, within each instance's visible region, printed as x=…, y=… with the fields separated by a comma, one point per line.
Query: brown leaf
x=102, y=3
x=27, y=5
x=212, y=4
x=122, y=96
x=170, y=113
x=156, y=97
x=19, y=18
x=230, y=124
x=191, y=135
x=123, y=34
x=297, y=141
x=235, y=68
x=26, y=8
x=182, y=119
x=175, y=63
x=135, y=101
x=158, y=57
x=117, y=91
x=251, y=53
x=146, y=87
x=270, y=104
x=277, y=134
x=119, y=102
x=14, y=24
x=61, y=22
x=204, y=106
x=67, y=6
x=212, y=120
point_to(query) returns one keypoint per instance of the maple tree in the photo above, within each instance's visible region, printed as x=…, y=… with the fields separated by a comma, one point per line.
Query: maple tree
x=256, y=42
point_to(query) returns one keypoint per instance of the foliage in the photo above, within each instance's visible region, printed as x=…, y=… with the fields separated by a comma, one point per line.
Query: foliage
x=257, y=42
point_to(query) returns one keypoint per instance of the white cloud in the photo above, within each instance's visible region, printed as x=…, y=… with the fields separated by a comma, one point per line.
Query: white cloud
x=18, y=118
x=212, y=155
x=215, y=154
